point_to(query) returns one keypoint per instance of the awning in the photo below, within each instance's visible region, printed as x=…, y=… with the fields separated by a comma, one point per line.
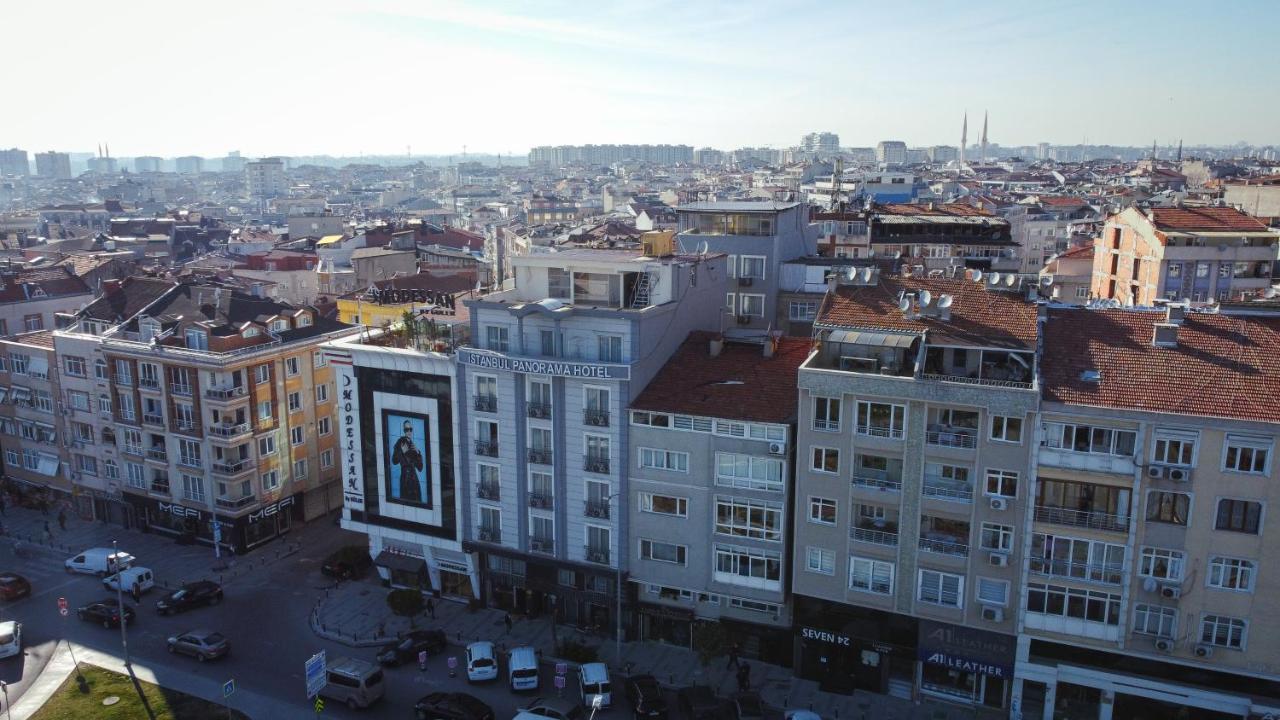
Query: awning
x=21, y=394
x=39, y=365
x=862, y=337
x=403, y=563
x=48, y=465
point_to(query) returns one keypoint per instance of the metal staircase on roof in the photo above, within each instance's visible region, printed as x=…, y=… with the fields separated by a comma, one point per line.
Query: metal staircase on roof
x=640, y=298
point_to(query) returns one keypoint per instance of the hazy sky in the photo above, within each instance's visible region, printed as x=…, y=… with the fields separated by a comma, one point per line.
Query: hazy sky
x=349, y=77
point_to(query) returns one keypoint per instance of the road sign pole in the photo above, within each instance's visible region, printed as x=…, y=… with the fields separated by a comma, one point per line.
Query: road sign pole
x=228, y=687
x=62, y=610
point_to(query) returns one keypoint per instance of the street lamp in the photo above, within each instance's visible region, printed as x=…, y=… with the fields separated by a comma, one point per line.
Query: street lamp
x=124, y=636
x=617, y=566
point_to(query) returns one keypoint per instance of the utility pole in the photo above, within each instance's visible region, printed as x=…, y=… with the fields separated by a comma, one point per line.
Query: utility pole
x=124, y=633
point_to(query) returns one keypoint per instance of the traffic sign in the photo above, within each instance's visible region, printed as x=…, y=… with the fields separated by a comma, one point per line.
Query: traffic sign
x=62, y=606
x=422, y=659
x=319, y=705
x=228, y=687
x=315, y=671
x=453, y=661
x=559, y=682
x=562, y=668
x=217, y=531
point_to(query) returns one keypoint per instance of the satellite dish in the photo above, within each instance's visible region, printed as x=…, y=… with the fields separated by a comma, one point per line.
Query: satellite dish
x=1269, y=293
x=1046, y=280
x=1010, y=279
x=904, y=304
x=866, y=274
x=897, y=255
x=1149, y=584
x=993, y=278
x=704, y=248
x=945, y=301
x=925, y=297
x=977, y=276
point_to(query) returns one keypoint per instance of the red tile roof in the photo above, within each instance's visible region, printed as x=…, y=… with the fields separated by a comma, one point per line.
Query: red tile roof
x=1205, y=218
x=945, y=209
x=1082, y=252
x=40, y=338
x=740, y=383
x=979, y=317
x=1223, y=365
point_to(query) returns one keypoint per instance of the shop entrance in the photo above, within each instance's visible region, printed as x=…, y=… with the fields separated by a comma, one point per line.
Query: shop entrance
x=969, y=687
x=455, y=585
x=1076, y=701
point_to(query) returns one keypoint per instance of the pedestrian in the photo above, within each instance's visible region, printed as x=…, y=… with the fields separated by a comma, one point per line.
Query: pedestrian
x=431, y=608
x=137, y=593
x=62, y=519
x=506, y=620
x=48, y=532
x=733, y=657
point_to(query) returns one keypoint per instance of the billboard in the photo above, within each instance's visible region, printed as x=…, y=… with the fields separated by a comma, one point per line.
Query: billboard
x=407, y=458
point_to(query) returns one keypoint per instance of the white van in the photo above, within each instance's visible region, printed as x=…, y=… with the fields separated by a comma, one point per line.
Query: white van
x=129, y=578
x=522, y=668
x=99, y=561
x=594, y=680
x=10, y=639
x=354, y=682
x=482, y=664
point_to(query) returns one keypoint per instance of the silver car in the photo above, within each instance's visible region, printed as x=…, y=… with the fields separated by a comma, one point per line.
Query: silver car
x=202, y=644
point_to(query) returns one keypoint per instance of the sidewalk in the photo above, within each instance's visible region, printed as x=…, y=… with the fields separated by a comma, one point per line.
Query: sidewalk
x=356, y=614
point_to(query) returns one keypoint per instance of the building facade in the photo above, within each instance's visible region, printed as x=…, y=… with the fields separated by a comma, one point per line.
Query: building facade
x=53, y=165
x=37, y=457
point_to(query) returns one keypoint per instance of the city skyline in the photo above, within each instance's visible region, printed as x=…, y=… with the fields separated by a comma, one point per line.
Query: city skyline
x=430, y=79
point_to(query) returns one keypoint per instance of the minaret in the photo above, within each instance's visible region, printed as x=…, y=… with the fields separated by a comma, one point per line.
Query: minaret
x=964, y=138
x=984, y=136
x=1179, y=150
x=1153, y=151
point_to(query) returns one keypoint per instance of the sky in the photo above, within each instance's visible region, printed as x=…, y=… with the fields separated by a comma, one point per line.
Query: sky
x=386, y=77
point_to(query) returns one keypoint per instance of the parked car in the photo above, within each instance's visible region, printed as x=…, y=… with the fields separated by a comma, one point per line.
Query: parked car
x=522, y=668
x=357, y=683
x=10, y=638
x=698, y=702
x=13, y=586
x=451, y=706
x=551, y=707
x=130, y=578
x=747, y=705
x=348, y=562
x=191, y=595
x=644, y=695
x=801, y=715
x=482, y=664
x=99, y=561
x=593, y=679
x=107, y=612
x=201, y=644
x=406, y=649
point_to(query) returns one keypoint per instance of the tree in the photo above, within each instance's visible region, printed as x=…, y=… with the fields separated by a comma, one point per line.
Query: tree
x=406, y=603
x=710, y=641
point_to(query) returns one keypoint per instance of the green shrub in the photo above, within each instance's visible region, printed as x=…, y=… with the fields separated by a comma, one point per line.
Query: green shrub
x=710, y=641
x=405, y=603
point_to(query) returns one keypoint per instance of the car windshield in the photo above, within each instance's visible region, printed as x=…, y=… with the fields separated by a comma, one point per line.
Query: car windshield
x=525, y=673
x=6, y=638
x=575, y=713
x=213, y=638
x=178, y=595
x=374, y=679
x=596, y=688
x=7, y=579
x=482, y=662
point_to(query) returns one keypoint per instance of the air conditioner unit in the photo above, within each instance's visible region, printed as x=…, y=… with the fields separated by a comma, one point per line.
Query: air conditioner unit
x=1155, y=472
x=999, y=503
x=744, y=319
x=1164, y=644
x=993, y=614
x=1179, y=474
x=998, y=559
x=1172, y=592
x=777, y=448
x=1204, y=651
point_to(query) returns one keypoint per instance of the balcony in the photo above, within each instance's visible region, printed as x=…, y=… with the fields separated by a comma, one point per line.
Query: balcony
x=148, y=383
x=1082, y=518
x=160, y=487
x=158, y=454
x=952, y=437
x=887, y=534
x=541, y=501
x=597, y=509
x=180, y=389
x=876, y=480
x=1088, y=572
x=881, y=431
x=191, y=462
x=539, y=411
x=596, y=464
x=133, y=450
x=152, y=419
x=489, y=490
x=946, y=489
x=123, y=379
x=826, y=425
x=184, y=426
x=596, y=418
x=234, y=504
x=542, y=544
x=1089, y=462
x=597, y=555
x=944, y=545
x=487, y=449
x=226, y=430
x=489, y=534
x=988, y=368
x=225, y=394
x=229, y=469
x=486, y=403
x=539, y=456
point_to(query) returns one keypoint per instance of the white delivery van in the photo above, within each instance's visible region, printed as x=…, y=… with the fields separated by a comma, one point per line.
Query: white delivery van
x=354, y=682
x=522, y=669
x=594, y=679
x=129, y=578
x=99, y=561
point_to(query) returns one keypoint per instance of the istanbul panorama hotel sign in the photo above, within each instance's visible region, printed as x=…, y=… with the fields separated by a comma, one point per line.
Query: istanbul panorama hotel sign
x=560, y=368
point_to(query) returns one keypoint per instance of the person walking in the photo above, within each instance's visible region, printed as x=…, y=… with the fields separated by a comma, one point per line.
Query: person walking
x=506, y=620
x=62, y=519
x=48, y=533
x=733, y=657
x=431, y=608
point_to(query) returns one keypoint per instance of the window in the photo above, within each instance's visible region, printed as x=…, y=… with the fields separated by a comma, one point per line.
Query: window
x=74, y=366
x=104, y=404
x=748, y=472
x=751, y=305
x=826, y=414
x=295, y=401
x=326, y=460
x=1227, y=632
x=135, y=476
x=265, y=414
x=266, y=446
x=754, y=519
x=270, y=481
x=300, y=469
x=262, y=373
x=322, y=393
x=663, y=552
x=1168, y=507
x=83, y=432
x=78, y=400
x=324, y=425
x=319, y=360
x=291, y=366
x=189, y=452
x=100, y=370
x=881, y=419
x=295, y=436
x=1091, y=560
x=33, y=323
x=820, y=560
x=1002, y=483
x=87, y=464
x=803, y=311
x=664, y=505
x=731, y=301
x=1082, y=293
x=761, y=569
x=1246, y=455
x=822, y=511
x=993, y=592
x=826, y=460
x=18, y=363
x=664, y=460
x=872, y=576
x=1155, y=620
x=1089, y=605
x=1231, y=574
x=1161, y=564
x=42, y=400
x=1006, y=429
x=751, y=266
x=939, y=588
x=610, y=348
x=193, y=488
x=1238, y=516
x=197, y=339
x=997, y=537
x=1082, y=438
x=1174, y=448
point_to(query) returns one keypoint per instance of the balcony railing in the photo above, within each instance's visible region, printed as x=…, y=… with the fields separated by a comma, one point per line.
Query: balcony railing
x=539, y=456
x=541, y=501
x=826, y=425
x=229, y=468
x=540, y=411
x=878, y=482
x=1091, y=572
x=157, y=453
x=230, y=504
x=597, y=555
x=160, y=487
x=122, y=379
x=489, y=490
x=596, y=418
x=184, y=425
x=947, y=489
x=877, y=537
x=489, y=534
x=486, y=403
x=180, y=389
x=216, y=393
x=225, y=430
x=133, y=449
x=147, y=383
x=988, y=382
x=487, y=449
x=191, y=462
x=944, y=547
x=596, y=464
x=541, y=544
x=952, y=438
x=152, y=419
x=597, y=509
x=881, y=431
x=1082, y=518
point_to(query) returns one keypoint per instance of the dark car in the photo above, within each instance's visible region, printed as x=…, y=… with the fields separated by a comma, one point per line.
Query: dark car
x=698, y=702
x=200, y=644
x=13, y=586
x=191, y=595
x=406, y=649
x=347, y=563
x=107, y=612
x=451, y=706
x=645, y=696
x=747, y=705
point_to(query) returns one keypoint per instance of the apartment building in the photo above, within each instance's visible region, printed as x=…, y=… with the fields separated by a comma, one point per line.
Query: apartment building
x=933, y=236
x=37, y=459
x=53, y=165
x=1183, y=253
x=711, y=452
x=558, y=358
x=221, y=406
x=31, y=299
x=1147, y=593
x=14, y=162
x=891, y=152
x=912, y=449
x=265, y=179
x=1043, y=228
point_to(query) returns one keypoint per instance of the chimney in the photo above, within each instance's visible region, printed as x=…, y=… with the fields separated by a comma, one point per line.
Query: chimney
x=717, y=344
x=1175, y=313
x=1165, y=335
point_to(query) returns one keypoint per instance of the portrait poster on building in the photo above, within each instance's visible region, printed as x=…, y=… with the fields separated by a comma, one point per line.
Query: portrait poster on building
x=407, y=458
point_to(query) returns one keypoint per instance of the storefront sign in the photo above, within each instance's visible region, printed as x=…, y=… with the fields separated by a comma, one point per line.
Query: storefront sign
x=966, y=649
x=349, y=427
x=395, y=296
x=271, y=509
x=452, y=567
x=179, y=511
x=559, y=368
x=825, y=636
